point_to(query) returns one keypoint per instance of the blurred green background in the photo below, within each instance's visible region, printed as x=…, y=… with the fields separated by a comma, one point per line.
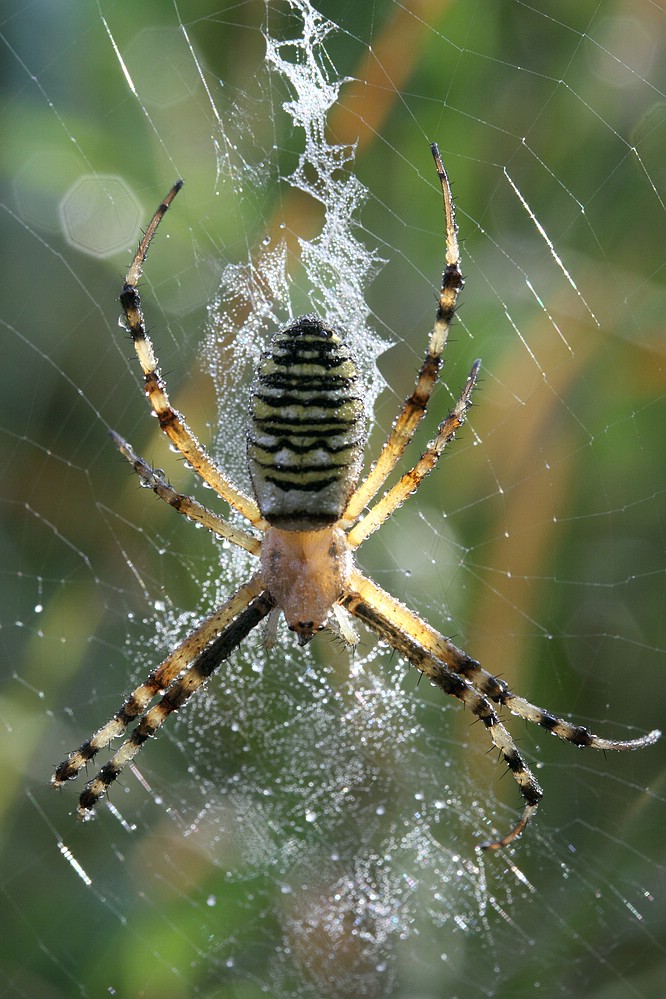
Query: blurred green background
x=539, y=546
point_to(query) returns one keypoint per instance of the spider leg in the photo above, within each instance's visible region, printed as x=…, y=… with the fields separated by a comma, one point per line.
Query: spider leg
x=576, y=734
x=411, y=480
x=189, y=507
x=414, y=406
x=444, y=676
x=483, y=681
x=171, y=422
x=192, y=679
x=159, y=679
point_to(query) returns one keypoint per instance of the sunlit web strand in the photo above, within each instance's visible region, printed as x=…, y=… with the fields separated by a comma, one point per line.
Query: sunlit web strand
x=549, y=243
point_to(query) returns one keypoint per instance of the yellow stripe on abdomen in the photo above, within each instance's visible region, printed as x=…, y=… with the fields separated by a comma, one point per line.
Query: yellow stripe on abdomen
x=307, y=429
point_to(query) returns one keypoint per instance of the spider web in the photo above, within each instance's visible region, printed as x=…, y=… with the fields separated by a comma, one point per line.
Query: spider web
x=308, y=826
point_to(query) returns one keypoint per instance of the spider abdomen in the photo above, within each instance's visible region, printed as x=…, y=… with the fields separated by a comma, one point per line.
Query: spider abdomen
x=307, y=428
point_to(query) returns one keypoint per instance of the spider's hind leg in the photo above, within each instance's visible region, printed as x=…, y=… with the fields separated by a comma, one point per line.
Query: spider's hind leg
x=363, y=606
x=527, y=783
x=160, y=679
x=178, y=694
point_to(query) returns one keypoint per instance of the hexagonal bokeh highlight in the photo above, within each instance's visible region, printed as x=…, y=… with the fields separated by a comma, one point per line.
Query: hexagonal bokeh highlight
x=100, y=215
x=622, y=43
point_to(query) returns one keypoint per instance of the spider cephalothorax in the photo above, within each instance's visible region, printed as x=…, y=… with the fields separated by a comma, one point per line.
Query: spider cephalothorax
x=308, y=515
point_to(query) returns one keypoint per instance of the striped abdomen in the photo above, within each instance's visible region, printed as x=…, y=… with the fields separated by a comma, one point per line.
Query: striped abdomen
x=307, y=428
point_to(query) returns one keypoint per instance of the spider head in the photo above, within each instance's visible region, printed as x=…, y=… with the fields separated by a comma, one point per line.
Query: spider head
x=305, y=572
x=305, y=630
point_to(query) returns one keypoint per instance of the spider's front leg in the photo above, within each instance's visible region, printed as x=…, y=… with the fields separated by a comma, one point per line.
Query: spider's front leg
x=154, y=479
x=415, y=405
x=412, y=479
x=171, y=422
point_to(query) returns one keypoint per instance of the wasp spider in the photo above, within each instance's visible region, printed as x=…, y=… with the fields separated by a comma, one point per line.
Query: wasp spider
x=307, y=517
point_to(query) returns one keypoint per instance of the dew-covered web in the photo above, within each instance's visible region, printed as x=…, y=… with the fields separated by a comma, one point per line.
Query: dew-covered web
x=308, y=825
